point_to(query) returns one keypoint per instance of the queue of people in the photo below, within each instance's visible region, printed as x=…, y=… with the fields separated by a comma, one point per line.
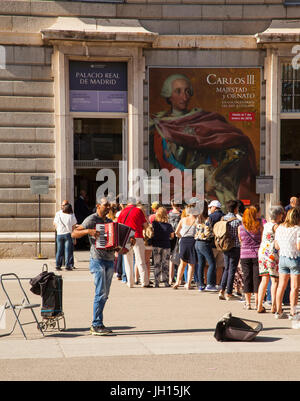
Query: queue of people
x=183, y=250
x=183, y=240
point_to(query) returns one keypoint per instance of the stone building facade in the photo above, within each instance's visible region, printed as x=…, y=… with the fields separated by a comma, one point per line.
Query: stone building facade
x=38, y=40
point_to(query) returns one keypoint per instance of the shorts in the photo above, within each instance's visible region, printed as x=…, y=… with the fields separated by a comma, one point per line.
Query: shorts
x=289, y=265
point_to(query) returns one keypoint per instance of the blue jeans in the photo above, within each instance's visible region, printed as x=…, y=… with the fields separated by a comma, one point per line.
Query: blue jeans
x=103, y=271
x=204, y=252
x=231, y=261
x=64, y=246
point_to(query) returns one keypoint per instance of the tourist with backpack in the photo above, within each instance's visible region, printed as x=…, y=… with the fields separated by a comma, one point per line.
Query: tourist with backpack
x=226, y=239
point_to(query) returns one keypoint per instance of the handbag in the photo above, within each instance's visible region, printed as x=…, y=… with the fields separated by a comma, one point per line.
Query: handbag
x=175, y=258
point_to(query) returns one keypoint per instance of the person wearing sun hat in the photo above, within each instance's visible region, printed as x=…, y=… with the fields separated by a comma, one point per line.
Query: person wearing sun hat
x=154, y=207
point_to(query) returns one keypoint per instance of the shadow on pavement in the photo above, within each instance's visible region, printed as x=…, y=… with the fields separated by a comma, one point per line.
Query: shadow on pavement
x=118, y=330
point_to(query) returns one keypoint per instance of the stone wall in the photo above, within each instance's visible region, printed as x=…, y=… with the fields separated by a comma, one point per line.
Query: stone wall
x=26, y=146
x=223, y=17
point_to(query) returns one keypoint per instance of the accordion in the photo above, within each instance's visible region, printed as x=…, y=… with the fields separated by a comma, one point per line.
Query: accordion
x=113, y=235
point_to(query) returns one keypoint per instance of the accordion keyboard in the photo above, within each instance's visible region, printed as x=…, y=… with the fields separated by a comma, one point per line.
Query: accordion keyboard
x=101, y=240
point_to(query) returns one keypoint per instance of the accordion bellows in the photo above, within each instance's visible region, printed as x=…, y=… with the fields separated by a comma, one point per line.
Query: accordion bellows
x=113, y=235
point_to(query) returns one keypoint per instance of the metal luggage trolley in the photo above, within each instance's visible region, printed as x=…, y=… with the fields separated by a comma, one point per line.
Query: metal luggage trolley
x=51, y=311
x=18, y=306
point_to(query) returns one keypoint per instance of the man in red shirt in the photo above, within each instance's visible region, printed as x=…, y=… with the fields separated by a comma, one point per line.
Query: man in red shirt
x=134, y=217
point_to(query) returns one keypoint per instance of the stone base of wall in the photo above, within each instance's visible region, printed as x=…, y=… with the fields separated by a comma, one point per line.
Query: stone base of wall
x=26, y=250
x=26, y=245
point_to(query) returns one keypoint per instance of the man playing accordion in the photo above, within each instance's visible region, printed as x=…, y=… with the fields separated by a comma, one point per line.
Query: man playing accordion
x=101, y=263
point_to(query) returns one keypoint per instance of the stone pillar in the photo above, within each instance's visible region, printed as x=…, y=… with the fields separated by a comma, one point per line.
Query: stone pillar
x=63, y=132
x=136, y=75
x=272, y=77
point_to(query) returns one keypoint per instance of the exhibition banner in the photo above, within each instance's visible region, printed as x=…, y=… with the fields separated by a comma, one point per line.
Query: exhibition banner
x=98, y=87
x=207, y=118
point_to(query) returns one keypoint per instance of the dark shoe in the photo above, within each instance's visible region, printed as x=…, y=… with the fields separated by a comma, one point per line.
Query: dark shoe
x=69, y=268
x=100, y=331
x=58, y=268
x=147, y=286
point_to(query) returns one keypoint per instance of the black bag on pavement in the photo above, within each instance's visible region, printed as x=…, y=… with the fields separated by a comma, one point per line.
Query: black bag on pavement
x=231, y=328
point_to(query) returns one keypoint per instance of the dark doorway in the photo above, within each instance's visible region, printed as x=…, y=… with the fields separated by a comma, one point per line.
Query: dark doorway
x=98, y=143
x=289, y=184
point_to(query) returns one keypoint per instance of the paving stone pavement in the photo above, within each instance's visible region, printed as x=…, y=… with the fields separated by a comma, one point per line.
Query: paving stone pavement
x=158, y=327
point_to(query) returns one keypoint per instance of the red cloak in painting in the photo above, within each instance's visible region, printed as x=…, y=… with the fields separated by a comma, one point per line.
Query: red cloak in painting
x=207, y=132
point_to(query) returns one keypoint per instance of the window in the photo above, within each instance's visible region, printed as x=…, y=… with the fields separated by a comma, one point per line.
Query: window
x=290, y=140
x=291, y=2
x=97, y=139
x=290, y=89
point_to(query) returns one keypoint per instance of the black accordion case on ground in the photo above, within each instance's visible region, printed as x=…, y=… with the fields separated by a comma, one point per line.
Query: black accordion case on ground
x=231, y=328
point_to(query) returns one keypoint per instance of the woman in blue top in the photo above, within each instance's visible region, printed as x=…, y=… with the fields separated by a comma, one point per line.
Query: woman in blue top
x=163, y=232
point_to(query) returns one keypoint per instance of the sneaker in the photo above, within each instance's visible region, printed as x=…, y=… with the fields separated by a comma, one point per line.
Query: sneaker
x=211, y=288
x=281, y=315
x=100, y=331
x=201, y=288
x=57, y=268
x=69, y=268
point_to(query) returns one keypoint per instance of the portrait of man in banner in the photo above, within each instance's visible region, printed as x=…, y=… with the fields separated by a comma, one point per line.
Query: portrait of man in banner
x=185, y=137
